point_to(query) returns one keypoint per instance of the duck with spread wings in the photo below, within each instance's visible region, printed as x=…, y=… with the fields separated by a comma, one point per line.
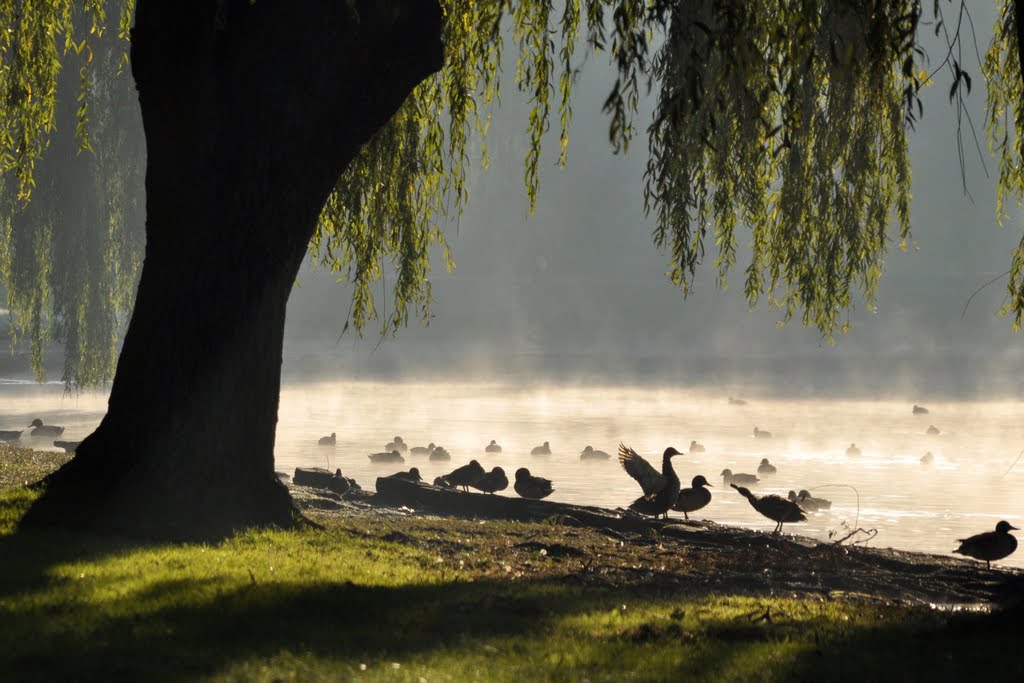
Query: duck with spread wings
x=661, y=489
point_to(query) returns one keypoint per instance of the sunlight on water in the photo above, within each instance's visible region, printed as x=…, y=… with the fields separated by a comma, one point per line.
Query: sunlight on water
x=964, y=491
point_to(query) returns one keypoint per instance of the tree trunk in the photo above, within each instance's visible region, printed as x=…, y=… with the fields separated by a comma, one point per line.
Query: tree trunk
x=251, y=112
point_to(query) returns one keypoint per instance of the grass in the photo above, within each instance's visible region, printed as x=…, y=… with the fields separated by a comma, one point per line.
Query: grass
x=383, y=598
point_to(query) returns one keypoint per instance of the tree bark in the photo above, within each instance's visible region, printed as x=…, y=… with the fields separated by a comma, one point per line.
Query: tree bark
x=251, y=112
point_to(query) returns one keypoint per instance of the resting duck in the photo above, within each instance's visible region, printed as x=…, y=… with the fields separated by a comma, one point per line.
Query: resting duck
x=775, y=508
x=766, y=467
x=44, y=430
x=439, y=453
x=661, y=489
x=465, y=476
x=693, y=498
x=932, y=429
x=589, y=453
x=853, y=450
x=927, y=458
x=991, y=545
x=68, y=446
x=443, y=483
x=393, y=456
x=328, y=440
x=736, y=401
x=492, y=447
x=421, y=450
x=728, y=477
x=542, y=450
x=397, y=445
x=492, y=481
x=529, y=486
x=696, y=447
x=809, y=503
x=9, y=435
x=761, y=434
x=920, y=410
x=412, y=475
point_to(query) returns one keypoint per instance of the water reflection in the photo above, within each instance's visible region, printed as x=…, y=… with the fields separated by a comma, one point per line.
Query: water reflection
x=913, y=506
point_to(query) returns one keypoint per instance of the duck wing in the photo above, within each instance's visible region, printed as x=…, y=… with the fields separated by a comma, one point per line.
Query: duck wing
x=650, y=479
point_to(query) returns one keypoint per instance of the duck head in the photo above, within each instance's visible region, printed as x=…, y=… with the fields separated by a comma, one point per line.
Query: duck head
x=699, y=481
x=743, y=490
x=726, y=473
x=36, y=423
x=670, y=452
x=415, y=471
x=522, y=473
x=791, y=495
x=498, y=470
x=764, y=461
x=804, y=493
x=1004, y=527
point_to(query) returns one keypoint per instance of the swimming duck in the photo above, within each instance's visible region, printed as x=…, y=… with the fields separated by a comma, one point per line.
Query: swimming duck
x=920, y=410
x=736, y=401
x=529, y=486
x=422, y=450
x=932, y=429
x=696, y=447
x=44, y=430
x=589, y=453
x=766, y=467
x=393, y=456
x=927, y=458
x=853, y=450
x=466, y=475
x=9, y=435
x=808, y=502
x=542, y=450
x=661, y=489
x=693, y=498
x=412, y=475
x=740, y=478
x=492, y=447
x=775, y=508
x=492, y=481
x=328, y=440
x=991, y=545
x=761, y=434
x=397, y=445
x=439, y=453
x=68, y=446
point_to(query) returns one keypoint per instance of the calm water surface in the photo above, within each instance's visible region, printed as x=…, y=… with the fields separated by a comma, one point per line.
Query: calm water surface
x=965, y=490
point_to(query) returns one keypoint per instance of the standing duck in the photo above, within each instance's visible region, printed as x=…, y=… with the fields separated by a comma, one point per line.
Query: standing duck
x=529, y=486
x=766, y=467
x=761, y=434
x=465, y=476
x=661, y=489
x=696, y=447
x=589, y=453
x=422, y=450
x=991, y=545
x=693, y=498
x=739, y=478
x=44, y=430
x=542, y=450
x=393, y=456
x=775, y=508
x=492, y=447
x=492, y=481
x=328, y=440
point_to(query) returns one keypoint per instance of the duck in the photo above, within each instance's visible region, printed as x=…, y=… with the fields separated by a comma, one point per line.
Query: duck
x=6, y=435
x=991, y=545
x=393, y=456
x=853, y=451
x=696, y=447
x=44, y=430
x=422, y=450
x=443, y=483
x=775, y=508
x=761, y=434
x=920, y=410
x=808, y=502
x=589, y=453
x=661, y=489
x=932, y=429
x=397, y=445
x=492, y=447
x=728, y=477
x=492, y=481
x=339, y=483
x=736, y=401
x=412, y=475
x=542, y=450
x=439, y=453
x=693, y=498
x=766, y=467
x=328, y=440
x=927, y=458
x=466, y=475
x=529, y=486
x=68, y=446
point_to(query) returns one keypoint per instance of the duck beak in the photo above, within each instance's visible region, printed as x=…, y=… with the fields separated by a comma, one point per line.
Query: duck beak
x=709, y=485
x=1015, y=528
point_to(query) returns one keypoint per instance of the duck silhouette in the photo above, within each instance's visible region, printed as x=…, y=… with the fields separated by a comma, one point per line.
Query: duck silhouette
x=412, y=475
x=739, y=478
x=589, y=453
x=7, y=435
x=920, y=410
x=492, y=447
x=393, y=456
x=661, y=489
x=693, y=498
x=775, y=508
x=492, y=481
x=465, y=476
x=932, y=430
x=439, y=453
x=44, y=430
x=761, y=434
x=422, y=450
x=529, y=486
x=397, y=445
x=927, y=458
x=328, y=440
x=766, y=467
x=808, y=502
x=696, y=447
x=989, y=546
x=542, y=450
x=853, y=451
x=68, y=446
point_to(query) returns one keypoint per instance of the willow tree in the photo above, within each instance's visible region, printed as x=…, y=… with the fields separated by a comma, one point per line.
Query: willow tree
x=273, y=128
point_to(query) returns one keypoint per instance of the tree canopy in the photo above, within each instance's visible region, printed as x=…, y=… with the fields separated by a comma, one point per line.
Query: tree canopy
x=788, y=119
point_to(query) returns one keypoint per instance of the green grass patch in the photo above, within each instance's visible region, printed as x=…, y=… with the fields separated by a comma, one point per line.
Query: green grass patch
x=347, y=604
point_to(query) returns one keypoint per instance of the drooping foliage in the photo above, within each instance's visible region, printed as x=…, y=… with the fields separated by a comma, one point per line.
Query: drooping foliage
x=789, y=119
